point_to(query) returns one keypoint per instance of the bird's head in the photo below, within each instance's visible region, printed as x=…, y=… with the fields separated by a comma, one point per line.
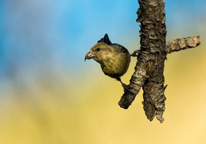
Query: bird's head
x=100, y=52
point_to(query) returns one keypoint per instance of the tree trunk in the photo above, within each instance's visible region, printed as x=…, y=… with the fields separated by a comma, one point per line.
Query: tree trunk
x=151, y=57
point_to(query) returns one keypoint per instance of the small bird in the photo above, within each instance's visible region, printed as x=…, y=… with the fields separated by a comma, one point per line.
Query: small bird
x=113, y=58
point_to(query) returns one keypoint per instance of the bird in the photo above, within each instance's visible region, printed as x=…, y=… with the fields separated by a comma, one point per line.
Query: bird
x=113, y=58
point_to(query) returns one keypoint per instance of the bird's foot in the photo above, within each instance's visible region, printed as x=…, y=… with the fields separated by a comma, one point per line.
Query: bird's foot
x=125, y=87
x=135, y=53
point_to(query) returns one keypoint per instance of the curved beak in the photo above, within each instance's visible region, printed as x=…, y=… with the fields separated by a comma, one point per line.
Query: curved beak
x=89, y=55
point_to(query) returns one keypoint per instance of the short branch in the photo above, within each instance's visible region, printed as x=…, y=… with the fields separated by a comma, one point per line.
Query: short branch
x=136, y=82
x=181, y=44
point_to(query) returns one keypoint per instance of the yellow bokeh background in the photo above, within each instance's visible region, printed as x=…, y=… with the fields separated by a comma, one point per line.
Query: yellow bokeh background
x=85, y=110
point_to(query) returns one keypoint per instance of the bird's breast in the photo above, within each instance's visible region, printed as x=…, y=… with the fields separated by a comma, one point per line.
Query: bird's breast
x=116, y=65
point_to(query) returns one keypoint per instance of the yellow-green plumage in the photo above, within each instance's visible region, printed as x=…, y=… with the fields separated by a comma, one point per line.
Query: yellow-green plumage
x=113, y=58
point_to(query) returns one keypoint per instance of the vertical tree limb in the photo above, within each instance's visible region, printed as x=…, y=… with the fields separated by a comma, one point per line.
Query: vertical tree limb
x=151, y=57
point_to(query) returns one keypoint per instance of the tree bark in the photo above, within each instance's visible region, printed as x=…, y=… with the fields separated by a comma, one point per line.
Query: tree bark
x=151, y=57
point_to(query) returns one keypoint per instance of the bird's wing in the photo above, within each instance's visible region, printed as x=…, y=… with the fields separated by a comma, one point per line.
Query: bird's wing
x=120, y=48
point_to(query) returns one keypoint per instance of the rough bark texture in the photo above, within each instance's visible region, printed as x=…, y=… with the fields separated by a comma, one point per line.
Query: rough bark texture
x=182, y=44
x=151, y=57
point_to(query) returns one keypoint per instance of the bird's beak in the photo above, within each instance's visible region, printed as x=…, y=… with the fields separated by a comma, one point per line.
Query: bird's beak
x=89, y=55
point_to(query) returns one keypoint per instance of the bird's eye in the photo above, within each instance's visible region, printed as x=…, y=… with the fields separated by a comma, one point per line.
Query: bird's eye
x=98, y=49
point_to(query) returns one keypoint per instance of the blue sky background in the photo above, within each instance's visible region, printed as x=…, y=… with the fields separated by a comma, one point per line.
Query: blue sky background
x=49, y=39
x=57, y=34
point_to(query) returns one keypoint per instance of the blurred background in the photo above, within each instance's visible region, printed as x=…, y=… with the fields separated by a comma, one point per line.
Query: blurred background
x=49, y=95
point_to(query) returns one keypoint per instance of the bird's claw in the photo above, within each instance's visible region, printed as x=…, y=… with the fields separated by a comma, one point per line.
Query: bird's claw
x=126, y=89
x=135, y=53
